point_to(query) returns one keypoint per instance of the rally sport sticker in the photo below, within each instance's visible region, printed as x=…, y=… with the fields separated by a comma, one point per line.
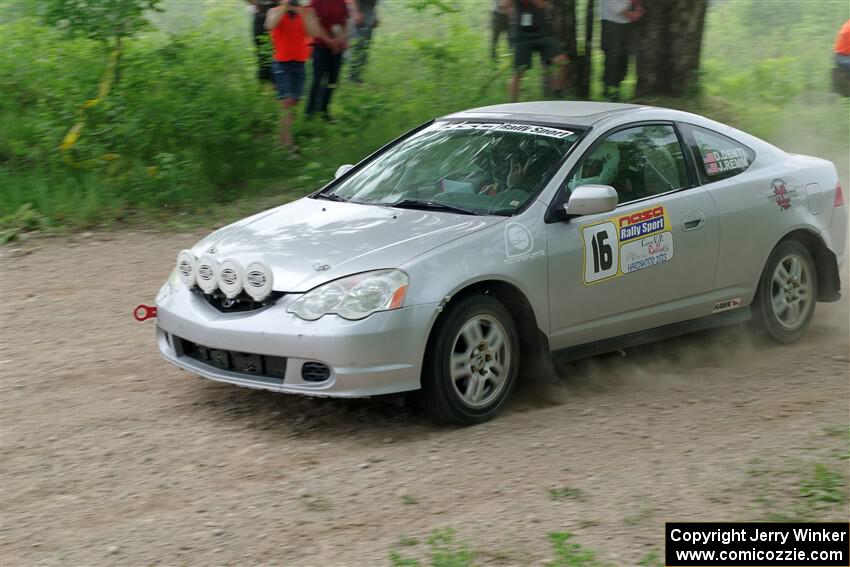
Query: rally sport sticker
x=626, y=244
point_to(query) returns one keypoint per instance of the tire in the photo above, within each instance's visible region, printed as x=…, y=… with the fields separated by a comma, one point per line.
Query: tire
x=478, y=334
x=787, y=293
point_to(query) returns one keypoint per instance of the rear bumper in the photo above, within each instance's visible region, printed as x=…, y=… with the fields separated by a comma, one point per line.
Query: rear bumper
x=381, y=354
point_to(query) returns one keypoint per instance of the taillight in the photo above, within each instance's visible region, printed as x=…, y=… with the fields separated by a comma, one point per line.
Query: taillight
x=839, y=195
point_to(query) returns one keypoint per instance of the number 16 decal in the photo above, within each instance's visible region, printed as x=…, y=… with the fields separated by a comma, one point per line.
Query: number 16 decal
x=601, y=252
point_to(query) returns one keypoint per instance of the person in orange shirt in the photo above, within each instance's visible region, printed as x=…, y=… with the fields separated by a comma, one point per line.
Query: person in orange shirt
x=290, y=24
x=842, y=46
x=841, y=71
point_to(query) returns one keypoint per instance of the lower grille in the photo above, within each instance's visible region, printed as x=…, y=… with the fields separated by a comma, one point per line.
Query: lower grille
x=242, y=303
x=249, y=364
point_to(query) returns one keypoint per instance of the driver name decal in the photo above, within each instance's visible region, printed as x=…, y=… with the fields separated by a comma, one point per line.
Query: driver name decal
x=625, y=244
x=725, y=160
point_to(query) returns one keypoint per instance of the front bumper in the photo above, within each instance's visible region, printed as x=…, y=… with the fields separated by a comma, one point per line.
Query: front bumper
x=381, y=354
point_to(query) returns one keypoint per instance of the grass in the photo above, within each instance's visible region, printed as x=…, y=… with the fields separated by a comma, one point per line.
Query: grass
x=445, y=550
x=826, y=485
x=802, y=490
x=565, y=493
x=570, y=554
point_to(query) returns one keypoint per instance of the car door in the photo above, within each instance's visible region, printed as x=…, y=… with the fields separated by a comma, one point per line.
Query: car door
x=648, y=263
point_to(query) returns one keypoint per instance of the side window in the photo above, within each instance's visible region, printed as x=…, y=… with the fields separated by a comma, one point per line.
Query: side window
x=638, y=162
x=718, y=156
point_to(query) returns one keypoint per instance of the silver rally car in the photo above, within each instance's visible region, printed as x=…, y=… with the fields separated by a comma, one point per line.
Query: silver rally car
x=502, y=236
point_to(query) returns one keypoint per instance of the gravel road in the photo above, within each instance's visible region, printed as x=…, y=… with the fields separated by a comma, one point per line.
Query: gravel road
x=108, y=455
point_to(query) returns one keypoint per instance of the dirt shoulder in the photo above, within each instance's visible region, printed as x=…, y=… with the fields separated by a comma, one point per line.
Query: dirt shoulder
x=108, y=455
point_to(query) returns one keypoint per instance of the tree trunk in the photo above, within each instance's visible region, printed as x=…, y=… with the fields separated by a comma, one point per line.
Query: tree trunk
x=669, y=41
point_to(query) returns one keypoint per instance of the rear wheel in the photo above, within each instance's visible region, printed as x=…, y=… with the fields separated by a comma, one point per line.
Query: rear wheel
x=785, y=301
x=472, y=362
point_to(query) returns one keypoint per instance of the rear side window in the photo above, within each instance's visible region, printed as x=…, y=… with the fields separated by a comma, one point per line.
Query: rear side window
x=718, y=156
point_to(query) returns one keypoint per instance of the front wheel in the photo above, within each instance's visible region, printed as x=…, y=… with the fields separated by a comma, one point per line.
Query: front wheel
x=472, y=362
x=787, y=292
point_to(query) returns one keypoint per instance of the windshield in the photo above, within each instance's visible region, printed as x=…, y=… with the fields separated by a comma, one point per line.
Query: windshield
x=474, y=167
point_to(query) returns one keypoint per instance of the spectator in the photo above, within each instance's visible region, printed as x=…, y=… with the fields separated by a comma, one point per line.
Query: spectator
x=330, y=41
x=365, y=22
x=261, y=40
x=841, y=72
x=618, y=19
x=501, y=24
x=289, y=24
x=531, y=35
x=561, y=22
x=842, y=47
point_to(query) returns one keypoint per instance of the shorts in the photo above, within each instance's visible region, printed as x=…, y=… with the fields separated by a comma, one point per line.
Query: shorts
x=289, y=79
x=525, y=46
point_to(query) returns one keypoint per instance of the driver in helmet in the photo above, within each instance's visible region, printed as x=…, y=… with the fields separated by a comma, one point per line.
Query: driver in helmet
x=511, y=164
x=600, y=168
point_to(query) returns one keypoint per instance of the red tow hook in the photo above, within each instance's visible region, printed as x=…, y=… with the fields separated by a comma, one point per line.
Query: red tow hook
x=144, y=312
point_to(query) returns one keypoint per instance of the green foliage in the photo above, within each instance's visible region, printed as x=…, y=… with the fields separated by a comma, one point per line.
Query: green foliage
x=101, y=20
x=445, y=551
x=651, y=559
x=408, y=500
x=826, y=485
x=186, y=127
x=565, y=493
x=437, y=7
x=568, y=554
x=22, y=220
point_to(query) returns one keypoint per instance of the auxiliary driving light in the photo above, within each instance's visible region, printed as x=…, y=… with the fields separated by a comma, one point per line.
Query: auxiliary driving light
x=206, y=274
x=258, y=280
x=186, y=264
x=230, y=278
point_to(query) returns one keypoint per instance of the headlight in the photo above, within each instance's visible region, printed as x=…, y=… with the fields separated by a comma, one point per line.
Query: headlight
x=354, y=297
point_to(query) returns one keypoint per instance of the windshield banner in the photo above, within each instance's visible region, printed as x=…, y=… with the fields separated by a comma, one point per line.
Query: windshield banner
x=508, y=127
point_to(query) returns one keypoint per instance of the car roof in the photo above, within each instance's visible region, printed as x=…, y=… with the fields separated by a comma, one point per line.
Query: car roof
x=572, y=113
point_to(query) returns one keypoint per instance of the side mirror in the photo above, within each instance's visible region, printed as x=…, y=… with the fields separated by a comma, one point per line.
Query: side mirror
x=342, y=170
x=591, y=200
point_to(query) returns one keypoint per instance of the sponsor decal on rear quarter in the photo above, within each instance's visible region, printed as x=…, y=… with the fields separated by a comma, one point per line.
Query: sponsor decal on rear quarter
x=781, y=194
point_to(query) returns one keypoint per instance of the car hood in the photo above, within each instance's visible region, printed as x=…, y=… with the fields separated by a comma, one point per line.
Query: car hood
x=310, y=241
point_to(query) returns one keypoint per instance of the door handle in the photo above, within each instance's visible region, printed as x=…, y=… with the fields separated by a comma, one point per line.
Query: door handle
x=694, y=221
